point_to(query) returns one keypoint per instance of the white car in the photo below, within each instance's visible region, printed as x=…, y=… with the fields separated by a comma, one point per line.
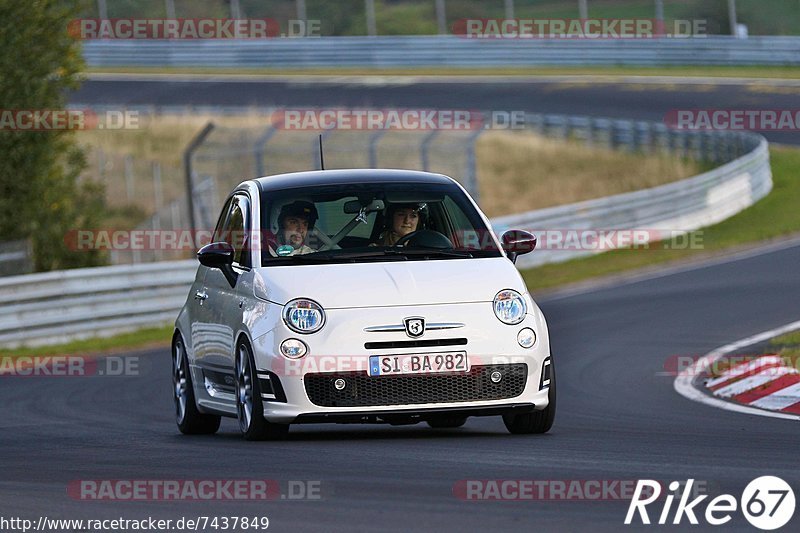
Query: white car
x=359, y=296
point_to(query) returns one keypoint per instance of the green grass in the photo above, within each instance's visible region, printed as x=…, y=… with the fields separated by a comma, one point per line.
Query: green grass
x=789, y=339
x=774, y=216
x=143, y=338
x=788, y=347
x=678, y=71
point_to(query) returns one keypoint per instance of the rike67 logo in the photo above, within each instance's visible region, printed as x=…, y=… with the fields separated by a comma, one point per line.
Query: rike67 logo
x=767, y=503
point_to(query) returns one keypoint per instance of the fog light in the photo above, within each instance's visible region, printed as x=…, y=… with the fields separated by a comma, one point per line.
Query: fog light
x=294, y=348
x=496, y=376
x=339, y=384
x=526, y=337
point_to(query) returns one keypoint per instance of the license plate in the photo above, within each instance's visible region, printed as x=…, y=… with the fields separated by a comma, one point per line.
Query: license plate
x=423, y=363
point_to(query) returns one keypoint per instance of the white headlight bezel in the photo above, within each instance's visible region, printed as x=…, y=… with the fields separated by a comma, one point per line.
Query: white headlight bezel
x=515, y=296
x=292, y=305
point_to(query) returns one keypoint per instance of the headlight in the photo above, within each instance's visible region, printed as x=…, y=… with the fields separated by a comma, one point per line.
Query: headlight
x=294, y=348
x=509, y=307
x=303, y=315
x=526, y=337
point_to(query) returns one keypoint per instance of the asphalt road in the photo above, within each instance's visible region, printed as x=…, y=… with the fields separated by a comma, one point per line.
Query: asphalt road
x=618, y=419
x=639, y=100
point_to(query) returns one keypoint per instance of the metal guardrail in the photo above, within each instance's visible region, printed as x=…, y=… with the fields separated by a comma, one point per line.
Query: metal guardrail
x=433, y=51
x=670, y=209
x=53, y=307
x=58, y=306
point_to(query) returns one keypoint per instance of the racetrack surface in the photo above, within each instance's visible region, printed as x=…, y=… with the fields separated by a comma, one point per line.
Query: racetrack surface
x=634, y=100
x=618, y=419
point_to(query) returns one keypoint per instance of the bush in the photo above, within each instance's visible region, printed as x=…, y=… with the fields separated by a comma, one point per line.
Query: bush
x=41, y=196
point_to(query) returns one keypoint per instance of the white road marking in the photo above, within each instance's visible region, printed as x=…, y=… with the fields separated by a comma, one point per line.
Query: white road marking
x=779, y=399
x=754, y=381
x=684, y=383
x=743, y=369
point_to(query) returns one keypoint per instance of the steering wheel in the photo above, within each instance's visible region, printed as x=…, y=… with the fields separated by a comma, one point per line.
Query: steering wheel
x=427, y=238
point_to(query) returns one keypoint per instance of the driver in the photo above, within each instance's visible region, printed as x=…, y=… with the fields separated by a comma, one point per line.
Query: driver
x=401, y=220
x=295, y=220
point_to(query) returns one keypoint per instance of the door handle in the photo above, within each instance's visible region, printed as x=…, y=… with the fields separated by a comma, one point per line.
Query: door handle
x=200, y=295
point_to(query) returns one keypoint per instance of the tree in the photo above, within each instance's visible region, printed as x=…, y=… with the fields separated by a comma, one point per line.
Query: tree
x=41, y=195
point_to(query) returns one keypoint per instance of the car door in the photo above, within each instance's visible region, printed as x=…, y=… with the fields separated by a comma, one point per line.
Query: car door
x=221, y=313
x=204, y=330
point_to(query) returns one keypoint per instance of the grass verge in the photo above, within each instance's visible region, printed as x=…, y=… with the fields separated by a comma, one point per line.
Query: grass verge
x=772, y=217
x=140, y=339
x=788, y=347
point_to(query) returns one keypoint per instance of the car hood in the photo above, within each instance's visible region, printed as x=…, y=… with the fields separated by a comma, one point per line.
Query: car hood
x=396, y=283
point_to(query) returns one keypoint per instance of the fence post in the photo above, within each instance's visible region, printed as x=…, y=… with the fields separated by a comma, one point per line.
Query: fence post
x=128, y=169
x=472, y=172
x=101, y=165
x=424, y=148
x=158, y=193
x=261, y=146
x=373, y=147
x=187, y=165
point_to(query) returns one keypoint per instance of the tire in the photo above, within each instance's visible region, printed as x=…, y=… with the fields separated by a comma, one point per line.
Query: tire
x=249, y=407
x=451, y=421
x=189, y=419
x=535, y=421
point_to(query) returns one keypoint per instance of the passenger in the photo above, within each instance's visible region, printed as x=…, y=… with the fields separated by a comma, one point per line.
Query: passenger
x=294, y=222
x=400, y=220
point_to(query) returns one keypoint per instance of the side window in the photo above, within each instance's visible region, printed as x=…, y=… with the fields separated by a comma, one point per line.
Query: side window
x=462, y=228
x=223, y=218
x=233, y=229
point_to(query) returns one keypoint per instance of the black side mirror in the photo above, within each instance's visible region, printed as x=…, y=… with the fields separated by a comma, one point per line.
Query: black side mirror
x=219, y=255
x=517, y=242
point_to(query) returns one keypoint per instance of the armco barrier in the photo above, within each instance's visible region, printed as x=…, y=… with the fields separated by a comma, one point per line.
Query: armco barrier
x=445, y=51
x=54, y=307
x=672, y=208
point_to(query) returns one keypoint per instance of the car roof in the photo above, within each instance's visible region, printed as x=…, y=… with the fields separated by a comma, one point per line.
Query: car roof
x=339, y=177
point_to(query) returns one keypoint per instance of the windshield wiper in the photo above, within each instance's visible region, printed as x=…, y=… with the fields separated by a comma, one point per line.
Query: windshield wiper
x=398, y=253
x=428, y=252
x=328, y=256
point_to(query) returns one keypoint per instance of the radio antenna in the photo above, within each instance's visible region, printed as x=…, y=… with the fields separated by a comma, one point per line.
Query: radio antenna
x=321, y=157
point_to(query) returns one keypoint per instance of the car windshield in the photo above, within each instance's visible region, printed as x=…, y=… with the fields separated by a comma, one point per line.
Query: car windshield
x=365, y=222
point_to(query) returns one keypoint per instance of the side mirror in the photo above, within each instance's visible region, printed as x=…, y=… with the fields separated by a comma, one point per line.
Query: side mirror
x=517, y=242
x=219, y=255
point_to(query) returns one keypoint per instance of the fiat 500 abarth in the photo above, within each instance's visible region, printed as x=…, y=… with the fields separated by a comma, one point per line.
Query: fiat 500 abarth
x=359, y=296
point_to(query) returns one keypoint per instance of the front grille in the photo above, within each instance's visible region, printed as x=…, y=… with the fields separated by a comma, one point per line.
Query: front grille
x=365, y=390
x=427, y=343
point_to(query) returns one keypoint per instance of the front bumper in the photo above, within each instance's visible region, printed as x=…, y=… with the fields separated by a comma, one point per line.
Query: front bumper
x=340, y=350
x=411, y=416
